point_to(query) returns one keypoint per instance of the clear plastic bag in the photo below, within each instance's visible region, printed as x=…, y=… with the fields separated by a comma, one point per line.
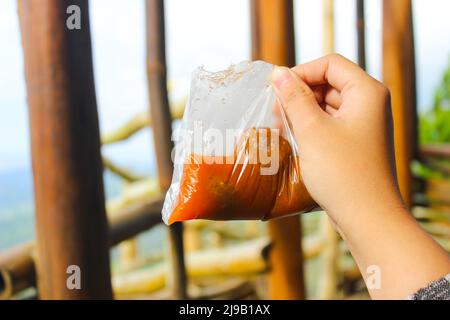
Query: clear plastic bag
x=233, y=160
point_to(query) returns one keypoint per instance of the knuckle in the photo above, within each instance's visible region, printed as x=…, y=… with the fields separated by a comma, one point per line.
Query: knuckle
x=380, y=94
x=335, y=56
x=386, y=92
x=305, y=91
x=383, y=91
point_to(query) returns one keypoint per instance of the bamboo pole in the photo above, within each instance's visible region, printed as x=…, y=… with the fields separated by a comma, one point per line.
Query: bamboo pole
x=273, y=31
x=129, y=128
x=273, y=41
x=17, y=271
x=238, y=260
x=134, y=219
x=328, y=282
x=440, y=229
x=192, y=239
x=399, y=76
x=123, y=173
x=432, y=214
x=162, y=132
x=361, y=33
x=328, y=26
x=133, y=193
x=435, y=151
x=70, y=211
x=438, y=192
x=244, y=260
x=128, y=253
x=138, y=122
x=229, y=289
x=255, y=29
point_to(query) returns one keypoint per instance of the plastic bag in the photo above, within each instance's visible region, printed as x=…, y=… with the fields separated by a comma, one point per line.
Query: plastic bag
x=231, y=160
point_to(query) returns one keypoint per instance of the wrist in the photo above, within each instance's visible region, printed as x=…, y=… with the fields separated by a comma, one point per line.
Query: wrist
x=386, y=236
x=362, y=216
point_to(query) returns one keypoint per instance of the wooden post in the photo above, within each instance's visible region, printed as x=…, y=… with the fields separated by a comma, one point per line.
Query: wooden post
x=361, y=33
x=328, y=282
x=328, y=26
x=399, y=75
x=17, y=270
x=70, y=210
x=162, y=131
x=128, y=253
x=273, y=41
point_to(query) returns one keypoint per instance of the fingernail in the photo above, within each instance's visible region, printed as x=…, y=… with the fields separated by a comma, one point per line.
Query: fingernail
x=281, y=76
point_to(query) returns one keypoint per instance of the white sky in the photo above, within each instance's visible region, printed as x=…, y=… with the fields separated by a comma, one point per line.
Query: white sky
x=214, y=33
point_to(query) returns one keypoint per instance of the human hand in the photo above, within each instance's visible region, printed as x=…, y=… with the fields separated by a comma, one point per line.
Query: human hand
x=341, y=118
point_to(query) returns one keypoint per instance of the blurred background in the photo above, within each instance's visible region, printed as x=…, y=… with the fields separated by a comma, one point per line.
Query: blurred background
x=214, y=34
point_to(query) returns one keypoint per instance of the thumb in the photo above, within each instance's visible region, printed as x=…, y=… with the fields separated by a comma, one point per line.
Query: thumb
x=295, y=96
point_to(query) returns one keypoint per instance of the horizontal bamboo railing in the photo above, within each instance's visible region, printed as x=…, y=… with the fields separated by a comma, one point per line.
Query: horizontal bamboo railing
x=435, y=151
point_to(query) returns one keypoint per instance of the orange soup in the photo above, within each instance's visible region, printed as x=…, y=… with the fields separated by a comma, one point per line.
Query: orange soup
x=233, y=188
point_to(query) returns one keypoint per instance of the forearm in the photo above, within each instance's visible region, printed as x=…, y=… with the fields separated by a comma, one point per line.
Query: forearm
x=387, y=239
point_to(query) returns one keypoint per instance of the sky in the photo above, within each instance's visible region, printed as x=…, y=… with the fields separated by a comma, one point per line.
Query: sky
x=213, y=33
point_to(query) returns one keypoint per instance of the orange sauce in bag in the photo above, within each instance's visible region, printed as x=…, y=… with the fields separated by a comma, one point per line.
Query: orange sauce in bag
x=233, y=188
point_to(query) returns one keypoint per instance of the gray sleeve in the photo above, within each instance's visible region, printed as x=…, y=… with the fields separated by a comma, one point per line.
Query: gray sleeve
x=438, y=290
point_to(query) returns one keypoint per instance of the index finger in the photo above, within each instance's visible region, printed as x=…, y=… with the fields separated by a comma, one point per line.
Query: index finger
x=333, y=69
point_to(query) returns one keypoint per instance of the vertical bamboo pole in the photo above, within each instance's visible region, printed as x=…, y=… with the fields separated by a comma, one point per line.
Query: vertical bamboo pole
x=162, y=131
x=128, y=253
x=328, y=282
x=70, y=212
x=399, y=75
x=361, y=33
x=328, y=26
x=273, y=41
